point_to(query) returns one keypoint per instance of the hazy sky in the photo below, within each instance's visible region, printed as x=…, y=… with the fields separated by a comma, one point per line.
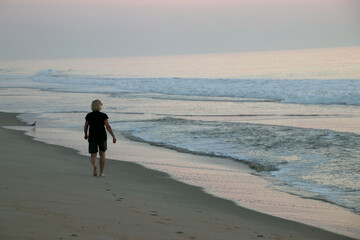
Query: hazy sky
x=115, y=28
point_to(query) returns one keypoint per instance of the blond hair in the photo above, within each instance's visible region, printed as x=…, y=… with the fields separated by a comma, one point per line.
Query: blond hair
x=96, y=105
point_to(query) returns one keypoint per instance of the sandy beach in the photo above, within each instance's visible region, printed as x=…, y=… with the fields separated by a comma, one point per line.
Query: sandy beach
x=48, y=192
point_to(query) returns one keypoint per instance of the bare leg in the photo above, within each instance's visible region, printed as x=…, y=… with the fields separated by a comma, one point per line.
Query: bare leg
x=93, y=162
x=102, y=163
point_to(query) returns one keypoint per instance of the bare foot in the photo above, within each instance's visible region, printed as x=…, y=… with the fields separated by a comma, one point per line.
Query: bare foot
x=102, y=175
x=95, y=171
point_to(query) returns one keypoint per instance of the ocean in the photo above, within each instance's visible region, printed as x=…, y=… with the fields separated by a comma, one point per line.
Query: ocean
x=292, y=117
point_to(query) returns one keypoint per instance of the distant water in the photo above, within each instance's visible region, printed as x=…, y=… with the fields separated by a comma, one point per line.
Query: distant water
x=292, y=116
x=286, y=91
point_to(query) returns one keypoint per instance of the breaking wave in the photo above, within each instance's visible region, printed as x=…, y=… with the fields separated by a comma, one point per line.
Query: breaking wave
x=309, y=91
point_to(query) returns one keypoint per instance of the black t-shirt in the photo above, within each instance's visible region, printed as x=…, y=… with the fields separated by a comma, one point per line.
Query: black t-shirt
x=96, y=122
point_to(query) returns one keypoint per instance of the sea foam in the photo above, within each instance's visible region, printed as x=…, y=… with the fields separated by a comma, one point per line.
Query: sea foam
x=307, y=91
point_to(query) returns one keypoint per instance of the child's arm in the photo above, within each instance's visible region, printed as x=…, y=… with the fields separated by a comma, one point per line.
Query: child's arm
x=86, y=126
x=108, y=127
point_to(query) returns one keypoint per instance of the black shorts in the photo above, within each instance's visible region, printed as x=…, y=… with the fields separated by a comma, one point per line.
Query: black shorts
x=94, y=146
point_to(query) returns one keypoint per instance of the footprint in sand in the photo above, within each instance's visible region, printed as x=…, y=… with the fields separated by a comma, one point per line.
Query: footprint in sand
x=154, y=213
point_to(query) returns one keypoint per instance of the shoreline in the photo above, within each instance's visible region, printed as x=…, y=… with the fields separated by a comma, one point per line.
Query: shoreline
x=49, y=193
x=217, y=176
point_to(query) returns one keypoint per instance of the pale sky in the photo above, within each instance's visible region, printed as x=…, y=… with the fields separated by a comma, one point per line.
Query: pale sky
x=117, y=28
